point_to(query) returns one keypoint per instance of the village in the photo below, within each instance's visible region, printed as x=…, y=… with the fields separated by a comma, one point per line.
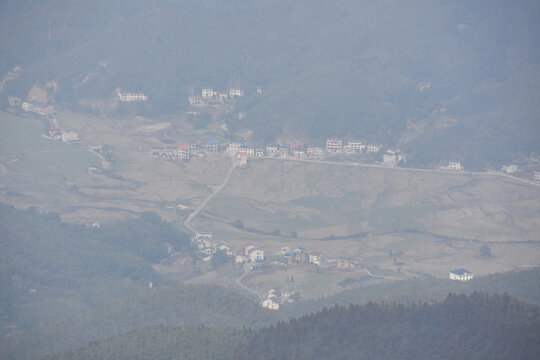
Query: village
x=251, y=256
x=254, y=258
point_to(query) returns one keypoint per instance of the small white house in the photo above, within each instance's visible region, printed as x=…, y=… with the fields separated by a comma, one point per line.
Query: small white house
x=455, y=166
x=270, y=304
x=461, y=275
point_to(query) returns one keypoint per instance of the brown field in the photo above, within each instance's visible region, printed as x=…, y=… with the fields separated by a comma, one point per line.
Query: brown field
x=395, y=223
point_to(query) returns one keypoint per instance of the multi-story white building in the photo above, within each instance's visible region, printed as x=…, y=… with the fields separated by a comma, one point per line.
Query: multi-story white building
x=356, y=145
x=208, y=93
x=236, y=92
x=536, y=176
x=184, y=152
x=455, y=166
x=372, y=148
x=259, y=152
x=460, y=275
x=212, y=146
x=270, y=149
x=334, y=145
x=196, y=101
x=129, y=97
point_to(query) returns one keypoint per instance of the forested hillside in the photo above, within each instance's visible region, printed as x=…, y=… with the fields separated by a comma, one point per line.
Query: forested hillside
x=474, y=327
x=64, y=285
x=441, y=80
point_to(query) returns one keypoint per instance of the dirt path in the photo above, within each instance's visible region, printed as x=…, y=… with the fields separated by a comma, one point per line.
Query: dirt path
x=239, y=279
x=202, y=205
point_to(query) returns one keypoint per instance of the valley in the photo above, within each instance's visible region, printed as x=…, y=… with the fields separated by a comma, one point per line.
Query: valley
x=379, y=223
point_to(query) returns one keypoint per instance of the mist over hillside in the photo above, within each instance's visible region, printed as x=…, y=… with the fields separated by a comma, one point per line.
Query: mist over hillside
x=441, y=80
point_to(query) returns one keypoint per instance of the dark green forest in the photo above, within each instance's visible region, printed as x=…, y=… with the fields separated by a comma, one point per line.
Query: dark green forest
x=442, y=80
x=478, y=326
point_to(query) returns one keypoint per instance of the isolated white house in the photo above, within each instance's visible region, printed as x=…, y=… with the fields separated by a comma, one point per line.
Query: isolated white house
x=461, y=275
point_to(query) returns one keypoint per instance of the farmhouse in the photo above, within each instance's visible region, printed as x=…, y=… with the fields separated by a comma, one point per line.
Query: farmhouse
x=460, y=275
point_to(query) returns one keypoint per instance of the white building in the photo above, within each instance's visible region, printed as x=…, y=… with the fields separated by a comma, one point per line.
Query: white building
x=315, y=151
x=510, y=169
x=184, y=152
x=259, y=152
x=234, y=146
x=356, y=145
x=236, y=92
x=208, y=93
x=203, y=236
x=129, y=97
x=256, y=255
x=373, y=148
x=455, y=166
x=460, y=275
x=196, y=101
x=536, y=176
x=270, y=304
x=270, y=149
x=334, y=145
x=69, y=136
x=389, y=159
x=316, y=257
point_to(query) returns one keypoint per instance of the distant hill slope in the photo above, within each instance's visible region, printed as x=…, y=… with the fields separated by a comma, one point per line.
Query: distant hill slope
x=474, y=327
x=441, y=80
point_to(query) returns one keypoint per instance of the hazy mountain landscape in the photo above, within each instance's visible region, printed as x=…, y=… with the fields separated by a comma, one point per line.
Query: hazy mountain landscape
x=269, y=179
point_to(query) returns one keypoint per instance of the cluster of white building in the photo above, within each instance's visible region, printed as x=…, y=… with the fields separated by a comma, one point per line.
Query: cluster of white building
x=207, y=247
x=69, y=137
x=185, y=152
x=209, y=95
x=274, y=298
